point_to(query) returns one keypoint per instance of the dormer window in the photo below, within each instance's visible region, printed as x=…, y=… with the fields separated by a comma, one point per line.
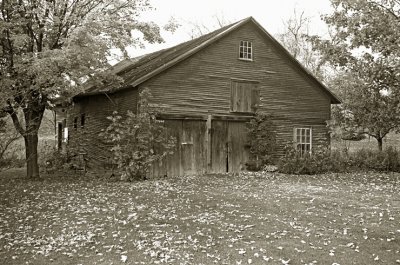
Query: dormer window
x=246, y=50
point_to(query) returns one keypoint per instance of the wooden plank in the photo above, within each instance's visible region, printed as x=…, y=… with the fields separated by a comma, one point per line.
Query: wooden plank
x=200, y=146
x=172, y=162
x=208, y=142
x=237, y=117
x=238, y=154
x=219, y=142
x=255, y=95
x=245, y=80
x=181, y=116
x=193, y=147
x=187, y=147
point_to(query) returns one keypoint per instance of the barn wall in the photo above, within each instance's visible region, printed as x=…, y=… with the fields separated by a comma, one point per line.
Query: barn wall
x=201, y=85
x=97, y=109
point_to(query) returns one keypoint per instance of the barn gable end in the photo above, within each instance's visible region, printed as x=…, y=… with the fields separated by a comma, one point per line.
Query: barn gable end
x=208, y=93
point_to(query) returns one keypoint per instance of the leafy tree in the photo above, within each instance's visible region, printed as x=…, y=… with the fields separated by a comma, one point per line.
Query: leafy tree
x=295, y=40
x=50, y=48
x=138, y=140
x=8, y=136
x=365, y=48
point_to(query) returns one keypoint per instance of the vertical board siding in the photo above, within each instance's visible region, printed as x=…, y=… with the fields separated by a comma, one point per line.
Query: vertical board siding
x=229, y=153
x=190, y=152
x=238, y=153
x=219, y=145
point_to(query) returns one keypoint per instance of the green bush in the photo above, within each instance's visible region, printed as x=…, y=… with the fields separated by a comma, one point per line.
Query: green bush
x=261, y=141
x=386, y=160
x=324, y=161
x=294, y=163
x=138, y=140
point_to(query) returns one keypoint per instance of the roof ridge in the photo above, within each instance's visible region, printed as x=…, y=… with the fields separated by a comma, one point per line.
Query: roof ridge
x=156, y=62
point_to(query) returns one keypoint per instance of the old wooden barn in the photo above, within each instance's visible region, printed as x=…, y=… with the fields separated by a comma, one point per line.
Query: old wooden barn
x=210, y=87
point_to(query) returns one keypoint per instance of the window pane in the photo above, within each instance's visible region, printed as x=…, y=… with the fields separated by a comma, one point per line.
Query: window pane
x=245, y=50
x=303, y=140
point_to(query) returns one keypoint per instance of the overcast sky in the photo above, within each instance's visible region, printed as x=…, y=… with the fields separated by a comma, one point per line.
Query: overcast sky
x=270, y=14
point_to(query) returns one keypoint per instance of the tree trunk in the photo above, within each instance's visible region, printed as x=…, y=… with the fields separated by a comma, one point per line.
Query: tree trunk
x=33, y=106
x=380, y=144
x=31, y=146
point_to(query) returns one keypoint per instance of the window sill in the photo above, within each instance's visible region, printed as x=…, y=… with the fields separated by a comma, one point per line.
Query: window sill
x=246, y=60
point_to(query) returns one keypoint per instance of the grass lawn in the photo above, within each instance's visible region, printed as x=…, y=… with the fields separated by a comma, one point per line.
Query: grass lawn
x=245, y=219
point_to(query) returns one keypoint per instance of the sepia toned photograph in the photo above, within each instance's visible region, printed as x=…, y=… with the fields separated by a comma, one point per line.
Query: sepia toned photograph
x=199, y=132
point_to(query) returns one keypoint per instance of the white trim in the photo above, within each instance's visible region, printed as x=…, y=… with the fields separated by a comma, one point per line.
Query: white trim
x=244, y=47
x=65, y=135
x=308, y=141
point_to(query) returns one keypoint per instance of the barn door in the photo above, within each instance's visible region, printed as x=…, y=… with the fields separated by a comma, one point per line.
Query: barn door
x=238, y=154
x=219, y=146
x=189, y=156
x=228, y=141
x=228, y=152
x=193, y=147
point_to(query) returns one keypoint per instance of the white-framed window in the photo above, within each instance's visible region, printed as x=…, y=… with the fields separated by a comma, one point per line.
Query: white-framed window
x=303, y=140
x=246, y=50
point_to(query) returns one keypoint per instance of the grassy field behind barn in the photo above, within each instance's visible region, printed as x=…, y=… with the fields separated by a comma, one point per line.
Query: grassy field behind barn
x=391, y=140
x=219, y=219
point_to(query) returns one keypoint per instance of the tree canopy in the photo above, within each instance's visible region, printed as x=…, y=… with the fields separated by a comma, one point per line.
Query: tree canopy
x=365, y=49
x=295, y=39
x=49, y=48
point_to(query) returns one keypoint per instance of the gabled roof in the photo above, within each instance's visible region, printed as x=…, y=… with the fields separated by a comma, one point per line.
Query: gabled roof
x=138, y=70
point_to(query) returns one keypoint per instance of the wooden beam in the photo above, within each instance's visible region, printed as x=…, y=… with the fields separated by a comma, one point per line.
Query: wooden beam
x=208, y=142
x=233, y=117
x=205, y=117
x=167, y=116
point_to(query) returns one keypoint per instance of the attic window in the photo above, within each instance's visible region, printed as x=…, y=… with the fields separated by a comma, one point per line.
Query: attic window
x=246, y=50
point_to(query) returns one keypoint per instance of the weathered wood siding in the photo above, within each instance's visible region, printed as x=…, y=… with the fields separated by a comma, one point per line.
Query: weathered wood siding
x=190, y=154
x=96, y=110
x=228, y=152
x=202, y=84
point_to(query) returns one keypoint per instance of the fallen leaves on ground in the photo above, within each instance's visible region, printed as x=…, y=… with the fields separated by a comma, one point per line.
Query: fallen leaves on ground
x=249, y=218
